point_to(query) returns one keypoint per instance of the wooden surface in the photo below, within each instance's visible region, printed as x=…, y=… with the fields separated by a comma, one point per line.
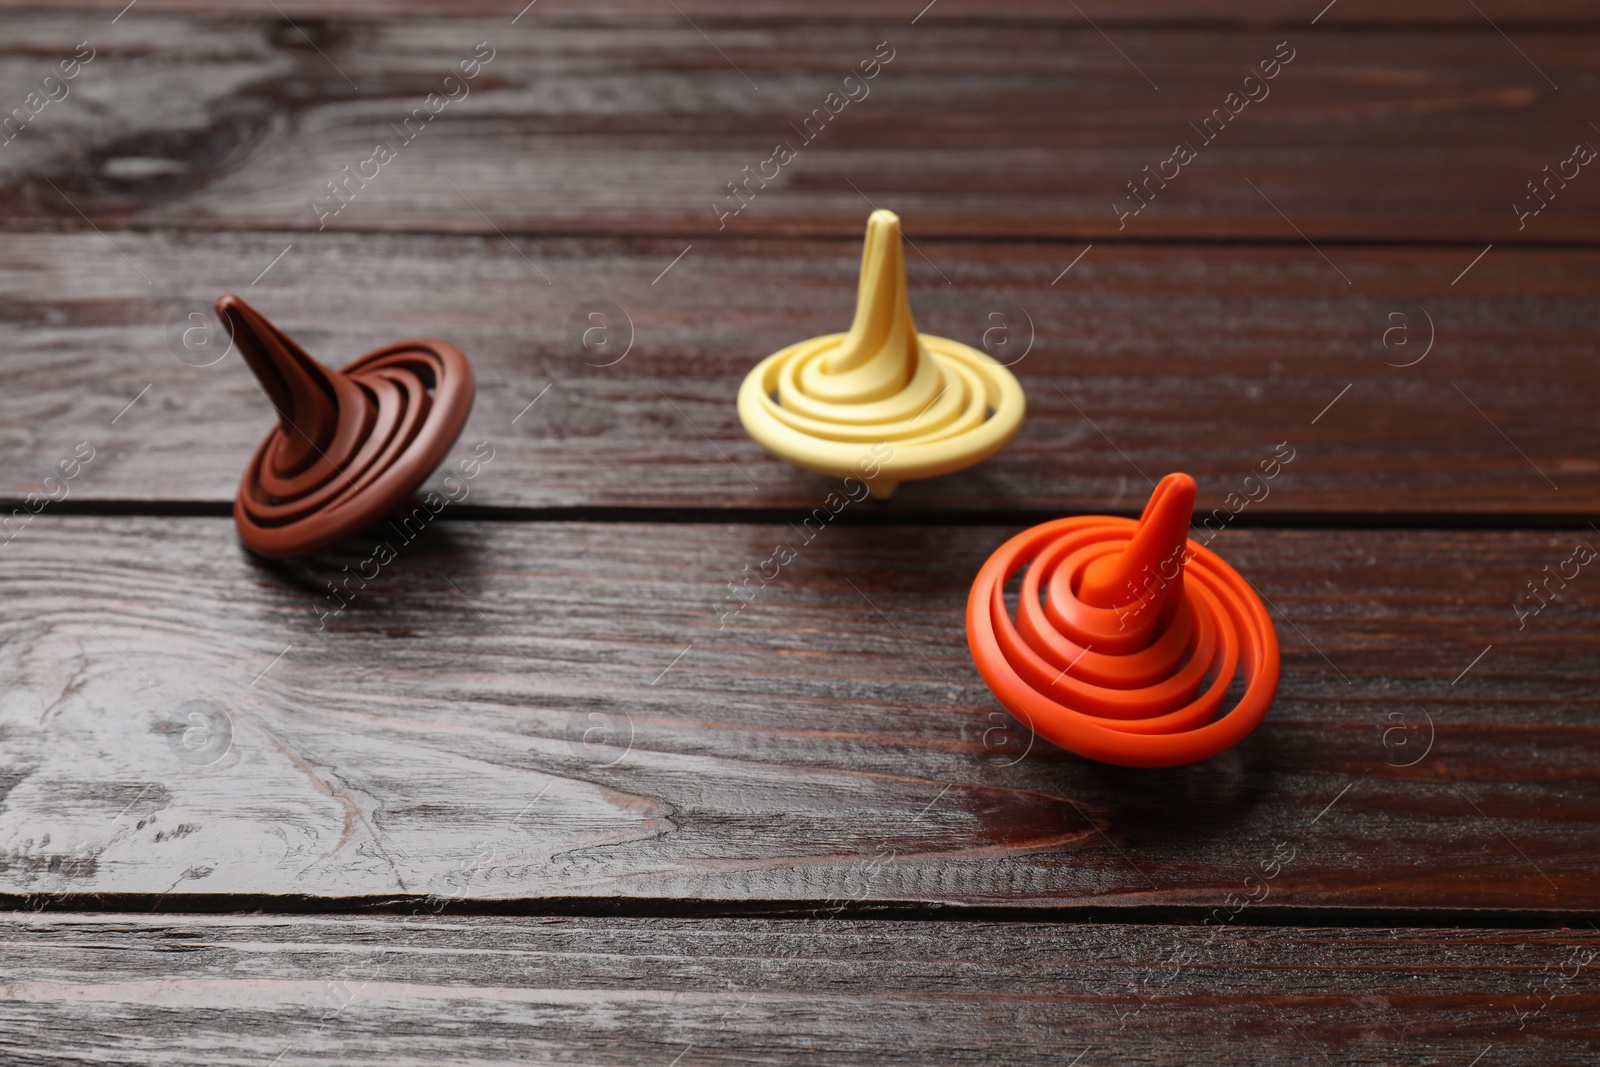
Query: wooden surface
x=1506, y=13
x=539, y=794
x=1143, y=359
x=459, y=990
x=975, y=130
x=505, y=714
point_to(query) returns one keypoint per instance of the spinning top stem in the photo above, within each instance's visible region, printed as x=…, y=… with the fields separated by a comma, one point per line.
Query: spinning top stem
x=1119, y=579
x=313, y=402
x=882, y=337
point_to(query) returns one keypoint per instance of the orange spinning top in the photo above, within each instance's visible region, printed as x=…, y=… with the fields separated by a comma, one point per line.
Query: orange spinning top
x=350, y=445
x=1127, y=636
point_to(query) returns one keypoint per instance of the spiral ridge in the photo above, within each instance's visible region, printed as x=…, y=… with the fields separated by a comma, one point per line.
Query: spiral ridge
x=939, y=405
x=350, y=445
x=1127, y=636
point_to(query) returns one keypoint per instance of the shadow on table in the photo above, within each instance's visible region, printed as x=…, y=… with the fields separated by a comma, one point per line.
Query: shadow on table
x=1193, y=804
x=391, y=570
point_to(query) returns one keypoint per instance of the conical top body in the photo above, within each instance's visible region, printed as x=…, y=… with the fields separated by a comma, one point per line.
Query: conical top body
x=352, y=444
x=881, y=401
x=1140, y=638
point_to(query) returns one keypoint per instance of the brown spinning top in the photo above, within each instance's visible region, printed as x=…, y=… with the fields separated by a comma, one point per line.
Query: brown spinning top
x=350, y=445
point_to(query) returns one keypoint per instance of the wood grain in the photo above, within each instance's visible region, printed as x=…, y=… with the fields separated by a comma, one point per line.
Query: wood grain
x=1506, y=13
x=636, y=128
x=1143, y=360
x=534, y=711
x=553, y=791
x=216, y=991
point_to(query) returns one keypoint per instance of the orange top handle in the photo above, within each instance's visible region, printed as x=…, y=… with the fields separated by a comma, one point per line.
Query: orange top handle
x=1126, y=638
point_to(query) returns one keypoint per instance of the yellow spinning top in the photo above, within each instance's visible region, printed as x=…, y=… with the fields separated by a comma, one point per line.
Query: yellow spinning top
x=832, y=404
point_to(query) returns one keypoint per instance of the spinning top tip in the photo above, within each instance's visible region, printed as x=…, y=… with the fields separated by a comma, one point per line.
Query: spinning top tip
x=882, y=224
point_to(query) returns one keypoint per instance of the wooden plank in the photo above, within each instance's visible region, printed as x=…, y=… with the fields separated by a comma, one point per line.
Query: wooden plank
x=516, y=711
x=1506, y=13
x=1144, y=359
x=1412, y=133
x=215, y=990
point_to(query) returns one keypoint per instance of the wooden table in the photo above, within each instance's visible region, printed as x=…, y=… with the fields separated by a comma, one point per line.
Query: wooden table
x=534, y=796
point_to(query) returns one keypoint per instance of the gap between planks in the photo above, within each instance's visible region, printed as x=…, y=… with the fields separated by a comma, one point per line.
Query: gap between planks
x=1267, y=916
x=32, y=225
x=998, y=516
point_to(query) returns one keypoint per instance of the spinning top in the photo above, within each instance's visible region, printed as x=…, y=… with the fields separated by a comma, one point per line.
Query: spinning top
x=938, y=405
x=1127, y=636
x=350, y=445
